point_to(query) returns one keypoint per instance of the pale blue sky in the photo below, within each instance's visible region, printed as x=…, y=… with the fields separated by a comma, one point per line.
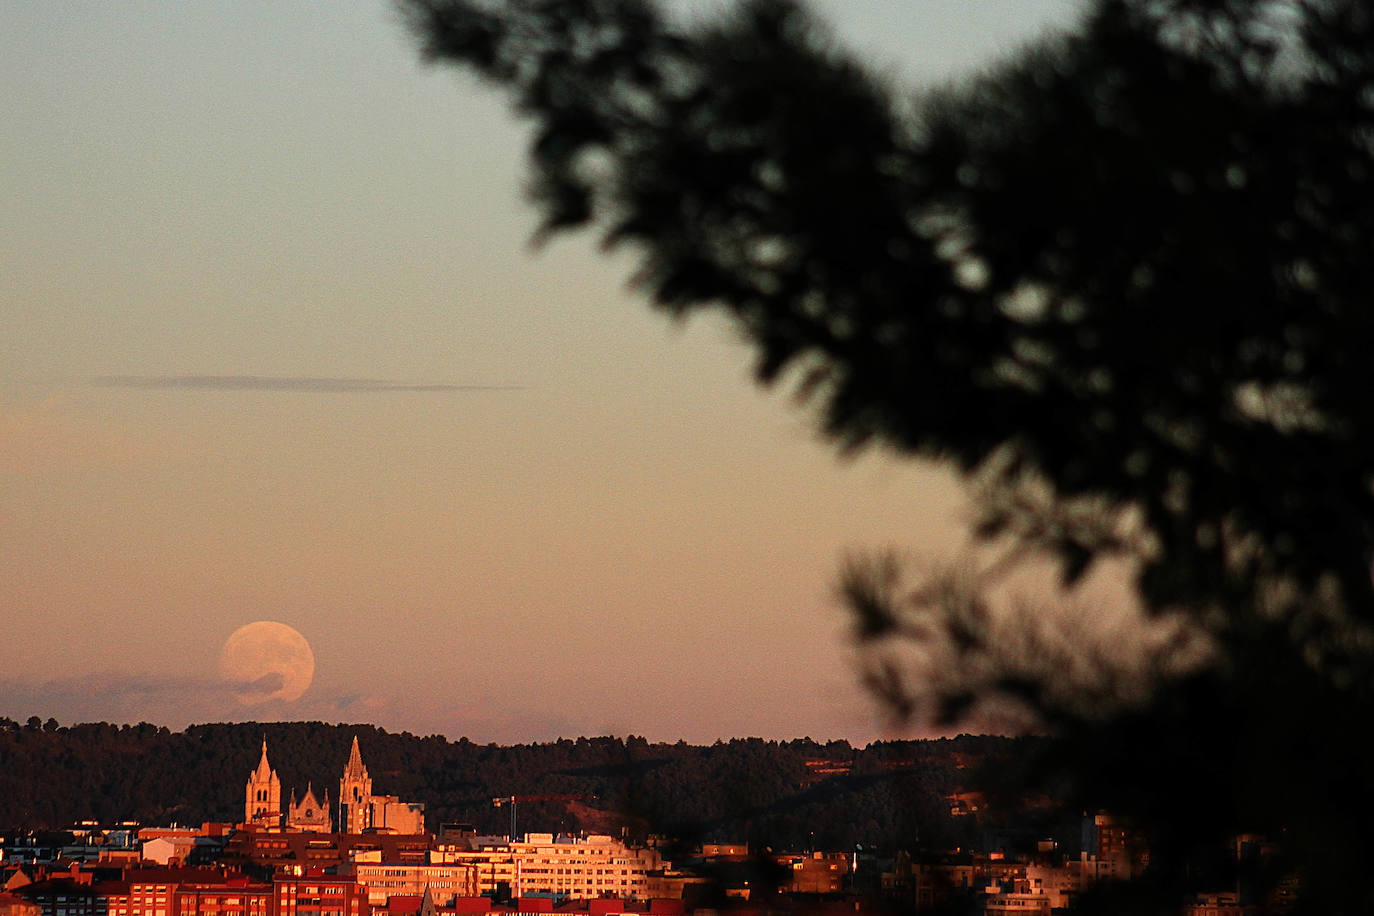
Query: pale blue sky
x=283, y=190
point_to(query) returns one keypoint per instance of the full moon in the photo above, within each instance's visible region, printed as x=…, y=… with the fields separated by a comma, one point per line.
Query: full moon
x=266, y=660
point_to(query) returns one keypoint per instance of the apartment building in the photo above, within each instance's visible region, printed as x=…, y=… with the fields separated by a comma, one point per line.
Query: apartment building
x=444, y=881
x=318, y=894
x=231, y=897
x=578, y=868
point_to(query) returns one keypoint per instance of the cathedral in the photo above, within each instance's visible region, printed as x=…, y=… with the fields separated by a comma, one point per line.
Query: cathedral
x=359, y=809
x=262, y=802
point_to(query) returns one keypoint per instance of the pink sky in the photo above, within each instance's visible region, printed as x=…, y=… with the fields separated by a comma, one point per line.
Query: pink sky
x=593, y=522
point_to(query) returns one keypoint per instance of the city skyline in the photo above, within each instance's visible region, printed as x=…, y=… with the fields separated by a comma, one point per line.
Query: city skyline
x=279, y=349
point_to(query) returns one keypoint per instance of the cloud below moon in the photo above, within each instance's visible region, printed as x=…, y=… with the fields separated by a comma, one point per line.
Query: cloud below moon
x=266, y=660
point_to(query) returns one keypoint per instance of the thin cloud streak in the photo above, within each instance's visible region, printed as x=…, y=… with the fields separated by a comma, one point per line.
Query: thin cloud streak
x=280, y=383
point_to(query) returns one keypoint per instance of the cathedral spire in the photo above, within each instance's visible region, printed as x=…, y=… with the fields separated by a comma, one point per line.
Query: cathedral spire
x=355, y=794
x=264, y=770
x=355, y=768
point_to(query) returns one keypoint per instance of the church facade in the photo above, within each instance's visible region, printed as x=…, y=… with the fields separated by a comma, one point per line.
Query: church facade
x=359, y=809
x=263, y=808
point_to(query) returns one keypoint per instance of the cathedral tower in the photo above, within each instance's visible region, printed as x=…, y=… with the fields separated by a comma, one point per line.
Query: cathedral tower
x=262, y=796
x=355, y=794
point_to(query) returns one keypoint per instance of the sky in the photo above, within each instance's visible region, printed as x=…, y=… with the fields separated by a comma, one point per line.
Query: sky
x=276, y=346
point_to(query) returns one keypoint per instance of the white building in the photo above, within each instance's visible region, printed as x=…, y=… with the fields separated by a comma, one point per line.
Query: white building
x=384, y=880
x=579, y=868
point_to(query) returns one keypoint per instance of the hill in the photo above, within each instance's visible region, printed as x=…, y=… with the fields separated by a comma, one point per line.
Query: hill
x=785, y=794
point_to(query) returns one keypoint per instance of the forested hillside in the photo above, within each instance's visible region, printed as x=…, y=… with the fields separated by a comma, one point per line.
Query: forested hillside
x=791, y=794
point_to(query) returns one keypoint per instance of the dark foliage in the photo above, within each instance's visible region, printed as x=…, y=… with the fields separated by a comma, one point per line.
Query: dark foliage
x=1121, y=280
x=887, y=795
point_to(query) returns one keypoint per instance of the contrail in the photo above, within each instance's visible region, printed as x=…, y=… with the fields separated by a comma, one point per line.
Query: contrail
x=280, y=383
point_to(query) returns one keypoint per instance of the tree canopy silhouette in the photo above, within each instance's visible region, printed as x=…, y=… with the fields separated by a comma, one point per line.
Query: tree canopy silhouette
x=1120, y=279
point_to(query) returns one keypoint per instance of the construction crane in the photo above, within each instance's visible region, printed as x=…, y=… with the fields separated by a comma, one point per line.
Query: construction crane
x=515, y=800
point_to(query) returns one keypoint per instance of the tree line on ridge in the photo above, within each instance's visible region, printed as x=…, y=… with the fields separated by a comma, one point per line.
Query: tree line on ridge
x=796, y=795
